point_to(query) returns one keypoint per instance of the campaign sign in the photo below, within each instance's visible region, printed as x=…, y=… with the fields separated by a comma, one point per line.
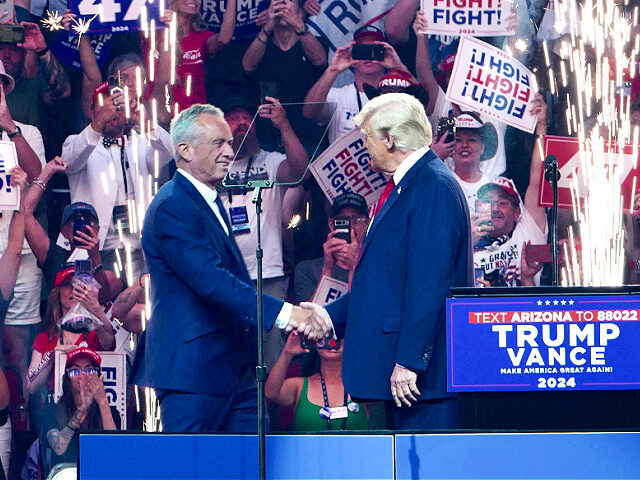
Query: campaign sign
x=9, y=195
x=567, y=151
x=344, y=167
x=487, y=80
x=329, y=289
x=474, y=17
x=533, y=343
x=65, y=48
x=114, y=376
x=117, y=15
x=212, y=14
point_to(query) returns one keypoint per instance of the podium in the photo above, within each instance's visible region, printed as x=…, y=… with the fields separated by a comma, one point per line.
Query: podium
x=540, y=358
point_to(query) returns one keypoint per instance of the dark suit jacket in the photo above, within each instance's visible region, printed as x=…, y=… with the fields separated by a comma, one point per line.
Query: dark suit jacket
x=418, y=246
x=202, y=331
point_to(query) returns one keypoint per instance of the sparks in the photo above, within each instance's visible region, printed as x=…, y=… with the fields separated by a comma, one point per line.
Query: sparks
x=53, y=22
x=81, y=26
x=295, y=221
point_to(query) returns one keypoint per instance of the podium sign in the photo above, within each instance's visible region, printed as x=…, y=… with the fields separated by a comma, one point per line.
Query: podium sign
x=535, y=342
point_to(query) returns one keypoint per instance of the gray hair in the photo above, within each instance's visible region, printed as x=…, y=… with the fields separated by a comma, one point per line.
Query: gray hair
x=124, y=61
x=400, y=116
x=186, y=128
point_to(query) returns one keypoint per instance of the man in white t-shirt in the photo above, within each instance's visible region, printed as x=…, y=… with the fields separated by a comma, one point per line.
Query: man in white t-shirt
x=254, y=163
x=347, y=101
x=503, y=224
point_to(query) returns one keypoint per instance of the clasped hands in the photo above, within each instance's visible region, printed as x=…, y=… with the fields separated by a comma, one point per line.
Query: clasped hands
x=312, y=321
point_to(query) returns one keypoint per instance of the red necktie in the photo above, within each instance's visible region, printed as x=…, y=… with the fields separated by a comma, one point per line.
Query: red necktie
x=383, y=196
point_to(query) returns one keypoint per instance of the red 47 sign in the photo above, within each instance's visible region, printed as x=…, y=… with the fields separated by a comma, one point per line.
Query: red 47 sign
x=567, y=151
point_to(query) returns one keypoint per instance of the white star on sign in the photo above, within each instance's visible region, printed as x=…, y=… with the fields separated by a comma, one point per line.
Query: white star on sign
x=539, y=302
x=547, y=302
x=563, y=302
x=570, y=302
x=555, y=302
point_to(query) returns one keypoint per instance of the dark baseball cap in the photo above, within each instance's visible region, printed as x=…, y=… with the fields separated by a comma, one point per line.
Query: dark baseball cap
x=78, y=207
x=349, y=200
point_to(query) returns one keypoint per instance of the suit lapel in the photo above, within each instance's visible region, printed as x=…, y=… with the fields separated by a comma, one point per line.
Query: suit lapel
x=393, y=197
x=210, y=216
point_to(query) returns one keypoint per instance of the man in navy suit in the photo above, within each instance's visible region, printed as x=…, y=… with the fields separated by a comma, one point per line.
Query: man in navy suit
x=418, y=245
x=199, y=348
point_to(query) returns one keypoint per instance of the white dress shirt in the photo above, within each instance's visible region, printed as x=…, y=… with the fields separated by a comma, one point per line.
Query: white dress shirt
x=209, y=194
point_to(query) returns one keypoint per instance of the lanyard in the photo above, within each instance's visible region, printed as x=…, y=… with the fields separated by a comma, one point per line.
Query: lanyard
x=325, y=397
x=358, y=97
x=243, y=190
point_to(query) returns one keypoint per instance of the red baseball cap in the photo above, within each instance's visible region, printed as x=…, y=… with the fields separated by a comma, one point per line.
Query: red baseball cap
x=503, y=183
x=103, y=89
x=83, y=352
x=65, y=272
x=368, y=32
x=396, y=79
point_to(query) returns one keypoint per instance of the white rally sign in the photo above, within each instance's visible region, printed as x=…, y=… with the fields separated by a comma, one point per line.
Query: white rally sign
x=344, y=167
x=9, y=195
x=329, y=289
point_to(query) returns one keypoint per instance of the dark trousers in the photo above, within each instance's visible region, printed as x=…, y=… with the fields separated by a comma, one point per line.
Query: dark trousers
x=441, y=414
x=199, y=412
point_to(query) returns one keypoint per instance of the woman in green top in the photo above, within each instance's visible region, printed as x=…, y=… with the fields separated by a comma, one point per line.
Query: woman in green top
x=320, y=401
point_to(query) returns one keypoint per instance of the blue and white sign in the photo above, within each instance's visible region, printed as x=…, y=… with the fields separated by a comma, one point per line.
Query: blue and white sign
x=116, y=16
x=534, y=343
x=65, y=48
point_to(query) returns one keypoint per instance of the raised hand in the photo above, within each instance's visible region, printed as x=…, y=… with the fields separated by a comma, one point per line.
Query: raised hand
x=420, y=23
x=19, y=178
x=275, y=112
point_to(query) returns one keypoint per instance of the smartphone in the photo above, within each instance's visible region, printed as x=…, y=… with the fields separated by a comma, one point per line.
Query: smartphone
x=268, y=89
x=342, y=227
x=11, y=33
x=115, y=85
x=83, y=271
x=80, y=224
x=542, y=253
x=327, y=343
x=446, y=126
x=367, y=51
x=484, y=209
x=7, y=6
x=478, y=277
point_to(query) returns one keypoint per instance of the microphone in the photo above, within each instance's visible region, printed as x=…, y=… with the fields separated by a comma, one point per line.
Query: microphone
x=551, y=172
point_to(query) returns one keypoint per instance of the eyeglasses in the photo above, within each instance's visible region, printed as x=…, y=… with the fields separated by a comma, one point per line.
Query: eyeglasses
x=75, y=371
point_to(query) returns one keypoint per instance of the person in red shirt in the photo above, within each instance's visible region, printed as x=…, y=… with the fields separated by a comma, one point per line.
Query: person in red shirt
x=64, y=295
x=196, y=44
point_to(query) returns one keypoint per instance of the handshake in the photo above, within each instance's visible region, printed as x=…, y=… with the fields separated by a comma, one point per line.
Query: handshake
x=311, y=321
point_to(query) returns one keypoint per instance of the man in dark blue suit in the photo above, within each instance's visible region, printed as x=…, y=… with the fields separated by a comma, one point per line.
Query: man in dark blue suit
x=418, y=245
x=199, y=348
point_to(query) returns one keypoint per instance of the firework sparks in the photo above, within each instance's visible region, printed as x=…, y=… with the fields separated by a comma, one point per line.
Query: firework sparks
x=53, y=22
x=81, y=25
x=295, y=221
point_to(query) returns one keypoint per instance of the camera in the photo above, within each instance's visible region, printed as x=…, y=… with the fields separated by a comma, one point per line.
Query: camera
x=342, y=227
x=367, y=51
x=10, y=33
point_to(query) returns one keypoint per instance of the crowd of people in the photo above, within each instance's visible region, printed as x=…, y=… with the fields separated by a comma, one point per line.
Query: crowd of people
x=96, y=145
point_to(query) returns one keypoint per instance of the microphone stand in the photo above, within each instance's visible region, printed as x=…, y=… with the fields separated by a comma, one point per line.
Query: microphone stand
x=552, y=175
x=261, y=371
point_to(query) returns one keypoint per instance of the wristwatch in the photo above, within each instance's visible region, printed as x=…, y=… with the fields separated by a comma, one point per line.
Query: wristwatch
x=18, y=131
x=304, y=31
